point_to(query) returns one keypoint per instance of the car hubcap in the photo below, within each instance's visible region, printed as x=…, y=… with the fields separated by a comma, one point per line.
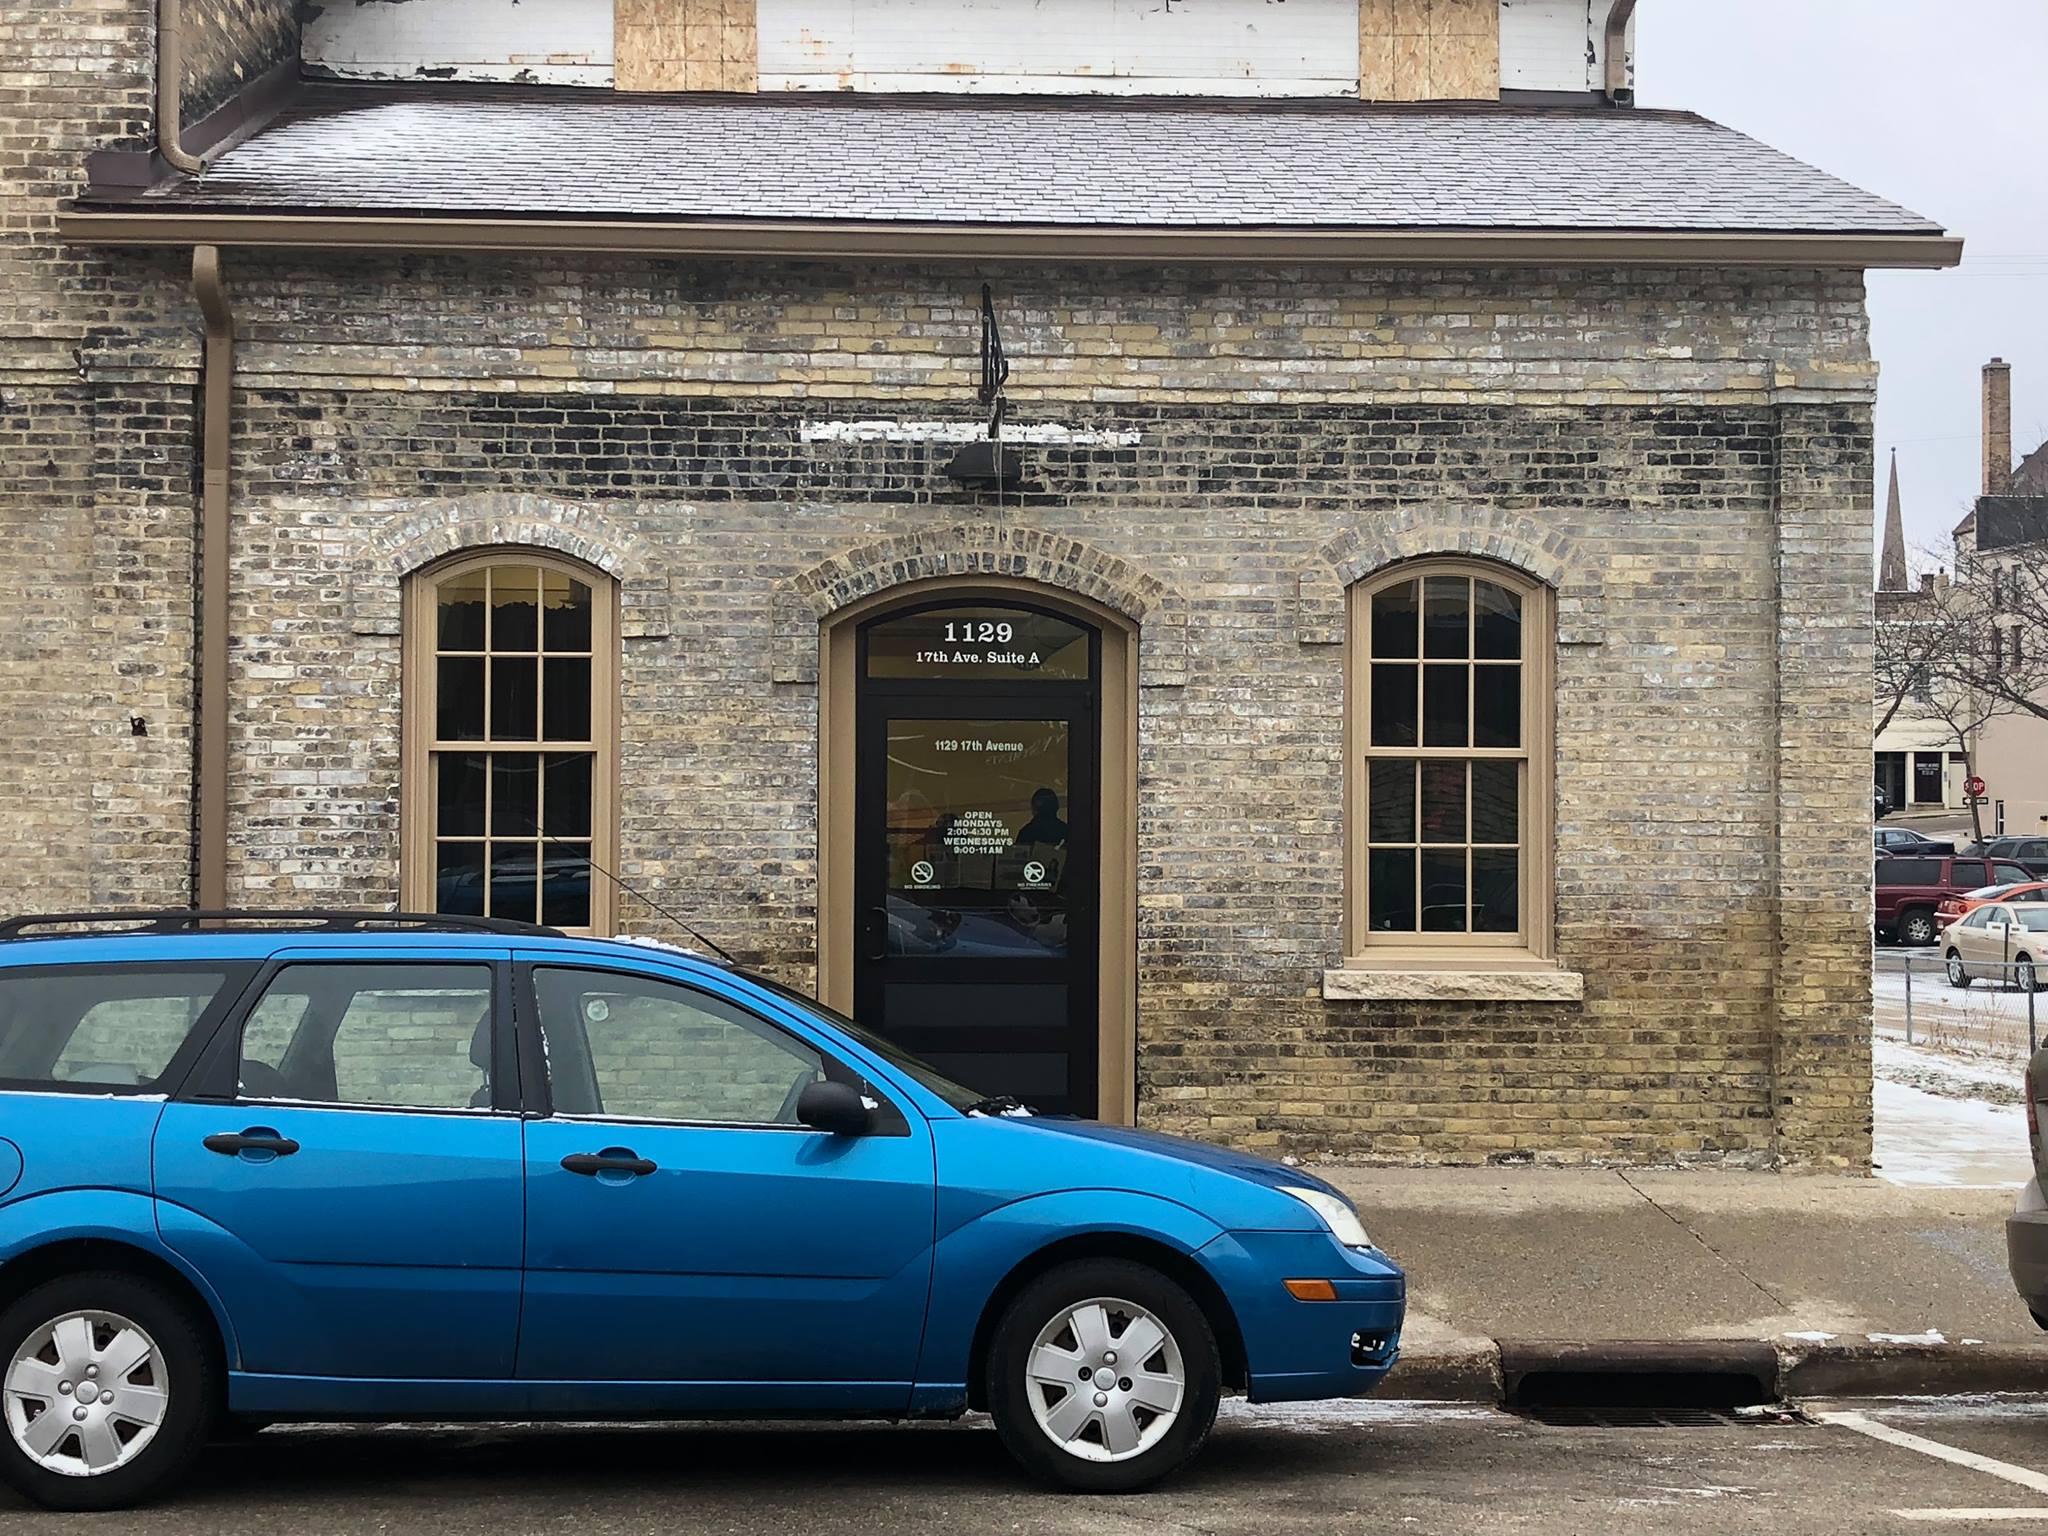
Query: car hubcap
x=86, y=1393
x=2025, y=976
x=1106, y=1379
x=1955, y=970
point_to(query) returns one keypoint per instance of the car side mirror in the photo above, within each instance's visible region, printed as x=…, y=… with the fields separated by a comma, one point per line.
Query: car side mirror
x=834, y=1107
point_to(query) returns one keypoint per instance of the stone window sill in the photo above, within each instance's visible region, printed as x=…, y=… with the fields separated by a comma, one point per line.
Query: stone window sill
x=1468, y=982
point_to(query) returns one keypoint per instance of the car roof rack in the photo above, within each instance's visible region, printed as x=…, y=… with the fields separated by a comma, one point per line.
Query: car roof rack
x=188, y=919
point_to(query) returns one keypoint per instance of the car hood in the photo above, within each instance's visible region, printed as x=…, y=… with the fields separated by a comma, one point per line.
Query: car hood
x=987, y=1161
x=1183, y=1149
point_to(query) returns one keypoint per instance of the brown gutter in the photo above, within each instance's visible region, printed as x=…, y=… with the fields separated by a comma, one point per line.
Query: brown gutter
x=789, y=239
x=170, y=78
x=1615, y=46
x=211, y=738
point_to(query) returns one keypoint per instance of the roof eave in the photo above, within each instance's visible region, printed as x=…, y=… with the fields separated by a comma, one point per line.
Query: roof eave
x=796, y=240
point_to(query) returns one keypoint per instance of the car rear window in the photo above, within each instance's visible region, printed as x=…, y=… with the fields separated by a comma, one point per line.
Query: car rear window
x=1907, y=871
x=105, y=1029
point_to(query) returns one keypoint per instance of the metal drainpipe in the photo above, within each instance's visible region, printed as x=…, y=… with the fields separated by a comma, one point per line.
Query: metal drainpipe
x=170, y=75
x=1618, y=89
x=211, y=686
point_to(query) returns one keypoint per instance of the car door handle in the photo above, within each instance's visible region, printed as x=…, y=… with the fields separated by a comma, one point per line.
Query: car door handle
x=614, y=1160
x=255, y=1139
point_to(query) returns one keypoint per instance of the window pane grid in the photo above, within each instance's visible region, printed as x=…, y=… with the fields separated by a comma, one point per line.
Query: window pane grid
x=1444, y=683
x=514, y=709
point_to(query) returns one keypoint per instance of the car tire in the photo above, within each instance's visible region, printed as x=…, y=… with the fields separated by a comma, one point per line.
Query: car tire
x=95, y=1319
x=1916, y=928
x=1957, y=976
x=1124, y=1436
x=2024, y=976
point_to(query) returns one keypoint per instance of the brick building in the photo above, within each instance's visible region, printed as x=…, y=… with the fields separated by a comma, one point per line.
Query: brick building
x=1398, y=687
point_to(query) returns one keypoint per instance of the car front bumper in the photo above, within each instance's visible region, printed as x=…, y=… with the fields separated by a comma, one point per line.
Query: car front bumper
x=1303, y=1350
x=2026, y=1247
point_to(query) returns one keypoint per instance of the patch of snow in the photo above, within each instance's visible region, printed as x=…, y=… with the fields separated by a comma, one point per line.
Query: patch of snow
x=1927, y=1139
x=1347, y=1413
x=1931, y=1336
x=1811, y=1338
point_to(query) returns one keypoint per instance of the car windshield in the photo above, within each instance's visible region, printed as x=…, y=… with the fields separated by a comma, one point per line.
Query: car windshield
x=910, y=1066
x=2033, y=919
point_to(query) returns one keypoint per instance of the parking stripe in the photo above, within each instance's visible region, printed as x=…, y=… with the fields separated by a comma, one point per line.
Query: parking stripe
x=1864, y=1425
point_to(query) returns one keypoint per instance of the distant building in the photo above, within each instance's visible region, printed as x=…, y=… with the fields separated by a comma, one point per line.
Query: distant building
x=1918, y=765
x=2005, y=534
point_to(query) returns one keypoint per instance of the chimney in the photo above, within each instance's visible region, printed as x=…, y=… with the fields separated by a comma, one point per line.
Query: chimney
x=1998, y=427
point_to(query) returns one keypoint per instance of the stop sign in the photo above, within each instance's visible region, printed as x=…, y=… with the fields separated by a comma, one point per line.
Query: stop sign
x=1974, y=784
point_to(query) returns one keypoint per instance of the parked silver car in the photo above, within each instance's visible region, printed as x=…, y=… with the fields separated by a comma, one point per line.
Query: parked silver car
x=2026, y=1229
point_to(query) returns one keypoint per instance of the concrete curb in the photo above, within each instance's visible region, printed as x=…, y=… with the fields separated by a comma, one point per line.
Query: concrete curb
x=1463, y=1373
x=1489, y=1371
x=1862, y=1368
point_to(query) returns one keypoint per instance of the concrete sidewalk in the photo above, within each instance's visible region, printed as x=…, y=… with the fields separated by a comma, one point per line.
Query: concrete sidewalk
x=1858, y=1286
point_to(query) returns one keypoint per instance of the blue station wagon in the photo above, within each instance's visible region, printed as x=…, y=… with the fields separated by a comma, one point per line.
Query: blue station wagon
x=362, y=1166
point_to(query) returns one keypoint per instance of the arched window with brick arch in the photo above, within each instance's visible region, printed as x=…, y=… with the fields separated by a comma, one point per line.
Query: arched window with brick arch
x=511, y=684
x=1449, y=721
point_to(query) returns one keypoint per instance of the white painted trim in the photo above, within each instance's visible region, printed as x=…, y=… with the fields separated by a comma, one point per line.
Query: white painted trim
x=882, y=82
x=964, y=432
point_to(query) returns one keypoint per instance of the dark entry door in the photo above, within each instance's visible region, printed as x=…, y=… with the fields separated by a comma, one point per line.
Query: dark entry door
x=977, y=823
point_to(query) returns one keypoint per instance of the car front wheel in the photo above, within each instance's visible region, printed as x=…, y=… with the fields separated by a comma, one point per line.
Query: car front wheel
x=1103, y=1376
x=110, y=1390
x=1957, y=976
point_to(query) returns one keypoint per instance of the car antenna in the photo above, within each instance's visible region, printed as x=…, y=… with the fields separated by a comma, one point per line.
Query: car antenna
x=637, y=895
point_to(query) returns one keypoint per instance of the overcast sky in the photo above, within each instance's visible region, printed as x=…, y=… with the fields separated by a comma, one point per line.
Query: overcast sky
x=1937, y=104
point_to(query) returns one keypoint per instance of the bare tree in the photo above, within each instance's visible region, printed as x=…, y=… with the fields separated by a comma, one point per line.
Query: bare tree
x=2011, y=612
x=1947, y=657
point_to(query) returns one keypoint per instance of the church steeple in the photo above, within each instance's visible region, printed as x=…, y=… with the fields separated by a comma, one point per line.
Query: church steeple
x=1891, y=565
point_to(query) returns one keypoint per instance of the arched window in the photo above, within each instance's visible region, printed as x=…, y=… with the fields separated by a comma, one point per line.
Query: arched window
x=510, y=692
x=1449, y=776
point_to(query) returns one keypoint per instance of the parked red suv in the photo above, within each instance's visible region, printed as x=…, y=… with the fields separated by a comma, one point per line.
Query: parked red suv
x=1910, y=888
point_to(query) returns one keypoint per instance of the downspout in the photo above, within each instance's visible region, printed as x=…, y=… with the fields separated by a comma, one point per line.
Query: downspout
x=210, y=828
x=170, y=76
x=1619, y=91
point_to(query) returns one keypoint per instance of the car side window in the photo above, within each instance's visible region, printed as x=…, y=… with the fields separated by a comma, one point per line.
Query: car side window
x=1977, y=918
x=2010, y=874
x=105, y=1028
x=384, y=1035
x=639, y=1048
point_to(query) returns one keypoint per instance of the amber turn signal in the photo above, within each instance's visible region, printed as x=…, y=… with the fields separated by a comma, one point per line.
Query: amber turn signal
x=1311, y=1290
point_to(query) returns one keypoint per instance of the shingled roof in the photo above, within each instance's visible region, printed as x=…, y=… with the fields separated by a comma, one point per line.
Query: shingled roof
x=1328, y=165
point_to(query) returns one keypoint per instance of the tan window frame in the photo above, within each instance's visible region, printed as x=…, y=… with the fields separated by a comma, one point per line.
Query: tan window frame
x=419, y=741
x=1534, y=943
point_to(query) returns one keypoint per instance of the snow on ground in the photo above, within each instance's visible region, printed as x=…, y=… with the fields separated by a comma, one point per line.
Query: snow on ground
x=1982, y=1019
x=1929, y=1139
x=1951, y=1074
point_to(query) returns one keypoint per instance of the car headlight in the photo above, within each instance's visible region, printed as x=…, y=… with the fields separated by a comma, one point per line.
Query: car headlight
x=1337, y=1215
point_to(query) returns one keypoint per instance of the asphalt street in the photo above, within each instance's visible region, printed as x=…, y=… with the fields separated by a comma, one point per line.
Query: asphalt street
x=1890, y=1466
